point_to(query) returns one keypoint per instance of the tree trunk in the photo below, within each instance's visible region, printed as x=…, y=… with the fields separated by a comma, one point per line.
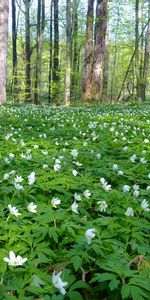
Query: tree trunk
x=50, y=53
x=146, y=57
x=75, y=51
x=100, y=35
x=137, y=74
x=28, y=51
x=4, y=11
x=56, y=53
x=68, y=55
x=88, y=62
x=40, y=32
x=105, y=69
x=14, y=45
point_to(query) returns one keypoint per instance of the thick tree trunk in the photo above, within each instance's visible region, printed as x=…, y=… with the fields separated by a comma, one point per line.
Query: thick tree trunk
x=68, y=55
x=40, y=32
x=28, y=51
x=14, y=45
x=4, y=11
x=50, y=54
x=88, y=62
x=100, y=35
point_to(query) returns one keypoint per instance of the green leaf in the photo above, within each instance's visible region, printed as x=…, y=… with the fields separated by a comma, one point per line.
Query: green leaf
x=125, y=291
x=73, y=295
x=114, y=284
x=79, y=285
x=77, y=262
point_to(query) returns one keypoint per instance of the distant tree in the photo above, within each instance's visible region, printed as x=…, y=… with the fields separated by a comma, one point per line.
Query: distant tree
x=56, y=53
x=68, y=54
x=4, y=11
x=88, y=61
x=75, y=50
x=50, y=54
x=137, y=74
x=39, y=45
x=15, y=58
x=27, y=51
x=146, y=57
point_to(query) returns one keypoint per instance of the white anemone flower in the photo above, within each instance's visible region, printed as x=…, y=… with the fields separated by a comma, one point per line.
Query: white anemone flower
x=74, y=207
x=57, y=167
x=55, y=202
x=87, y=194
x=90, y=234
x=145, y=205
x=77, y=197
x=32, y=207
x=13, y=210
x=129, y=212
x=58, y=283
x=18, y=186
x=6, y=176
x=18, y=179
x=126, y=188
x=75, y=173
x=143, y=160
x=102, y=205
x=115, y=167
x=74, y=152
x=14, y=260
x=31, y=178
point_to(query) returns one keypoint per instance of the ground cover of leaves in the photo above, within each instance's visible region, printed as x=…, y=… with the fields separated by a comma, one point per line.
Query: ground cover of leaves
x=74, y=199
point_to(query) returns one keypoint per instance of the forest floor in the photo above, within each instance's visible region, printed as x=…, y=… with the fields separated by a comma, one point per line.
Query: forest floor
x=75, y=198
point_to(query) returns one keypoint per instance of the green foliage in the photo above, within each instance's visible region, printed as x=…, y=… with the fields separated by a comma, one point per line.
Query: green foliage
x=115, y=263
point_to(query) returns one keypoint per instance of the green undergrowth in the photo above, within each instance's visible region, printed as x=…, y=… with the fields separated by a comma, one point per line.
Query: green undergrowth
x=74, y=166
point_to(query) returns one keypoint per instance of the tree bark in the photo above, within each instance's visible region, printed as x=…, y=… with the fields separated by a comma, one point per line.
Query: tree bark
x=146, y=57
x=4, y=11
x=50, y=54
x=56, y=53
x=15, y=60
x=105, y=68
x=68, y=54
x=88, y=62
x=137, y=73
x=75, y=51
x=27, y=51
x=40, y=32
x=99, y=50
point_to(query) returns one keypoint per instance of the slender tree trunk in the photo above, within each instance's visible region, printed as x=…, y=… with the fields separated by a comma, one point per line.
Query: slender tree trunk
x=88, y=62
x=50, y=53
x=4, y=11
x=137, y=74
x=105, y=68
x=56, y=52
x=68, y=55
x=100, y=35
x=75, y=51
x=146, y=57
x=14, y=45
x=28, y=51
x=40, y=32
